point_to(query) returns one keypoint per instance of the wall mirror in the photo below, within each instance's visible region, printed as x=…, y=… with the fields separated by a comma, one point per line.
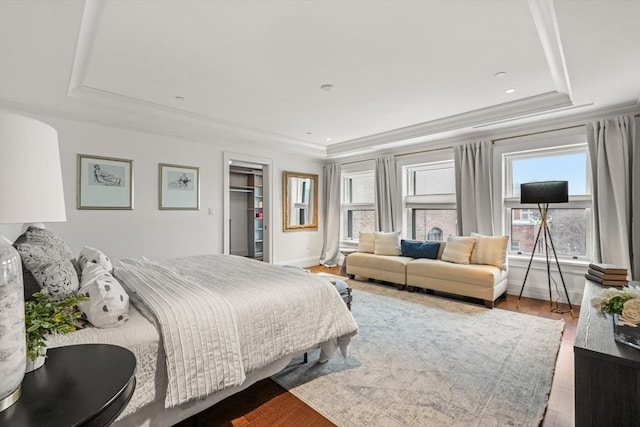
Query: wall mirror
x=300, y=201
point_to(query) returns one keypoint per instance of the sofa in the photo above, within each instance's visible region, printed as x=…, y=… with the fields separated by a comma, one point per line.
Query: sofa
x=472, y=266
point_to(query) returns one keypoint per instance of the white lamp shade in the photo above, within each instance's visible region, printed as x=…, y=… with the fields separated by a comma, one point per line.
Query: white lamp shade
x=30, y=174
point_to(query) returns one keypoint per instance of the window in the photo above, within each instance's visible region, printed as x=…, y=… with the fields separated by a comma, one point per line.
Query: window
x=568, y=222
x=434, y=234
x=358, y=210
x=431, y=200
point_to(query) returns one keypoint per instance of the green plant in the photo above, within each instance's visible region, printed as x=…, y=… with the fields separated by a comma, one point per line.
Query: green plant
x=45, y=315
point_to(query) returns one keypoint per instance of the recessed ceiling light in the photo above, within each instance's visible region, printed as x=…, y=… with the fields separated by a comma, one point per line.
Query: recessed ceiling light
x=500, y=74
x=180, y=98
x=328, y=139
x=326, y=87
x=510, y=90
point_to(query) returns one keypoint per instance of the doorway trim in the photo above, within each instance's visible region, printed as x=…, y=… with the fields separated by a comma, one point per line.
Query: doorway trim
x=267, y=196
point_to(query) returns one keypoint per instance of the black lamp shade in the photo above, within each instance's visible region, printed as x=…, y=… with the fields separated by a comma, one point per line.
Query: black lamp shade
x=544, y=192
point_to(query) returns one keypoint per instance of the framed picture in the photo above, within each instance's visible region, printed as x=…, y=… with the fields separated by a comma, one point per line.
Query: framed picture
x=179, y=187
x=104, y=183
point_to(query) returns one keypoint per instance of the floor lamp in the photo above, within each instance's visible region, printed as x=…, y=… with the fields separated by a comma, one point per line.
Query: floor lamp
x=542, y=193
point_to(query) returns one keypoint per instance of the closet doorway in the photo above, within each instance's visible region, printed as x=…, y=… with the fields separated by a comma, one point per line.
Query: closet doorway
x=247, y=228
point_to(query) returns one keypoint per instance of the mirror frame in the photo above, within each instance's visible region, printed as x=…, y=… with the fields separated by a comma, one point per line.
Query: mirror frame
x=285, y=208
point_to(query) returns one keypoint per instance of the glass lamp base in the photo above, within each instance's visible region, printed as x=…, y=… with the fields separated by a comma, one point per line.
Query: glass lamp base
x=9, y=400
x=13, y=348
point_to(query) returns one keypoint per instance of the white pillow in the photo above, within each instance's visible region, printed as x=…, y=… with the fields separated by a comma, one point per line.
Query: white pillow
x=89, y=255
x=366, y=243
x=458, y=249
x=108, y=303
x=490, y=250
x=387, y=243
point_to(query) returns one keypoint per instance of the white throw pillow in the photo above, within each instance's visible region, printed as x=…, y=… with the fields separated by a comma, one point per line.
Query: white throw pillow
x=108, y=303
x=387, y=243
x=458, y=249
x=490, y=250
x=366, y=243
x=89, y=255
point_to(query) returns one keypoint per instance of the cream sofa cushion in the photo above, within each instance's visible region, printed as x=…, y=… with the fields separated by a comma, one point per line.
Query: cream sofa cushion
x=379, y=262
x=458, y=249
x=479, y=275
x=366, y=243
x=387, y=243
x=490, y=250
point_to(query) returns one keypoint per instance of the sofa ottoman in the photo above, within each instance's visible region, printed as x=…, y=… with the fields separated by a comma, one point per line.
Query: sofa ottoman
x=387, y=268
x=482, y=281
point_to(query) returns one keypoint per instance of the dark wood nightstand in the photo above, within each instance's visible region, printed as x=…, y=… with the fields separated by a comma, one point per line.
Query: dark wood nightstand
x=79, y=385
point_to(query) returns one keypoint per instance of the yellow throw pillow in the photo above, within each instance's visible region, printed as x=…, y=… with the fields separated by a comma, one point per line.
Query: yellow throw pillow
x=366, y=243
x=458, y=249
x=387, y=243
x=490, y=250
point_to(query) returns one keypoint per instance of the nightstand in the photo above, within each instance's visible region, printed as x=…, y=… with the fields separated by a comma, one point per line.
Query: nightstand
x=346, y=252
x=88, y=385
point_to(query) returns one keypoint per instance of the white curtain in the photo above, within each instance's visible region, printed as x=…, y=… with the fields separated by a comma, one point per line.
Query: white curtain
x=616, y=182
x=388, y=202
x=331, y=255
x=473, y=165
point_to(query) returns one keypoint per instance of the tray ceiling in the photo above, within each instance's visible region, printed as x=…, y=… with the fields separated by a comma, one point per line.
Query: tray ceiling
x=400, y=70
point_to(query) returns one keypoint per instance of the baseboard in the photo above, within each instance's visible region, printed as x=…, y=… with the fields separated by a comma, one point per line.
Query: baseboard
x=541, y=292
x=301, y=262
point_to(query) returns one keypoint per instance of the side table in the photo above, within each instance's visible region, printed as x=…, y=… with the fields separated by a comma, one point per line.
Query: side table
x=87, y=384
x=346, y=252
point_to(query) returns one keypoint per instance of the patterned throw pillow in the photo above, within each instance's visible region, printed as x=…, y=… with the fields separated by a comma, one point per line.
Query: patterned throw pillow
x=108, y=303
x=366, y=243
x=387, y=243
x=490, y=250
x=49, y=260
x=89, y=255
x=458, y=249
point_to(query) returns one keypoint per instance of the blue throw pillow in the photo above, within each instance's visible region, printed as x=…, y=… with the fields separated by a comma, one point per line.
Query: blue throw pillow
x=420, y=249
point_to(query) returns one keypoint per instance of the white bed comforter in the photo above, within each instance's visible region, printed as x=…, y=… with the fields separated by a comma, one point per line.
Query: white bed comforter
x=140, y=336
x=222, y=316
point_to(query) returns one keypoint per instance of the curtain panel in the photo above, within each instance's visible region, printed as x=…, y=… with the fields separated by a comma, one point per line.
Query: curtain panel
x=387, y=203
x=474, y=192
x=615, y=159
x=331, y=255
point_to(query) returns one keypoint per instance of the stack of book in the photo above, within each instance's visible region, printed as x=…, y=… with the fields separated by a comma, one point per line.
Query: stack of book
x=607, y=275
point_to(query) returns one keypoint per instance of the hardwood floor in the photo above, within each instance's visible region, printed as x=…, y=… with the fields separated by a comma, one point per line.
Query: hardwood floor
x=266, y=404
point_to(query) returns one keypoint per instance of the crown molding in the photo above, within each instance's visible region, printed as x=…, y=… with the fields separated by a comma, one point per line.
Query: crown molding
x=250, y=143
x=502, y=133
x=534, y=104
x=546, y=22
x=184, y=121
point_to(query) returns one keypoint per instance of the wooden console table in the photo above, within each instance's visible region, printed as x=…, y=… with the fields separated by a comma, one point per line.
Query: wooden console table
x=606, y=373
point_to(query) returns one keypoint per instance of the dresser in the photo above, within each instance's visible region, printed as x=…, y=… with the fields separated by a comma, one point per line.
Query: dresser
x=607, y=373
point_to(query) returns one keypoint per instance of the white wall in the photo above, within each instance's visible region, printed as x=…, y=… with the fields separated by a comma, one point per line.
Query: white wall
x=147, y=231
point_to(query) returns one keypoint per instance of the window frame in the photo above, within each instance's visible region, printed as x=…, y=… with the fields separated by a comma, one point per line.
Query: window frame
x=576, y=201
x=413, y=202
x=347, y=207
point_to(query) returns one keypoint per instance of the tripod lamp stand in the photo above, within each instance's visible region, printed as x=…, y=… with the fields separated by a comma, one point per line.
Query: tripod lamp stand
x=542, y=193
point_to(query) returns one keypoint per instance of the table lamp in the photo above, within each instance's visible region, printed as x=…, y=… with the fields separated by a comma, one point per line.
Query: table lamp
x=30, y=192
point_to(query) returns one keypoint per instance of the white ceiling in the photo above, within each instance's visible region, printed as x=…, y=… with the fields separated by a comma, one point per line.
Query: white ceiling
x=401, y=70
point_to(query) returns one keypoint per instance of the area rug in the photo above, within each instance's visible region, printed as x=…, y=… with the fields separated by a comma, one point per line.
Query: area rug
x=421, y=360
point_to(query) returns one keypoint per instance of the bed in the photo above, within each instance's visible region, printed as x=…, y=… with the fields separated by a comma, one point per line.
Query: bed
x=205, y=327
